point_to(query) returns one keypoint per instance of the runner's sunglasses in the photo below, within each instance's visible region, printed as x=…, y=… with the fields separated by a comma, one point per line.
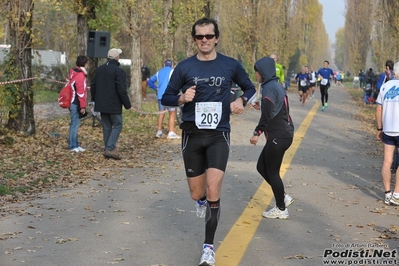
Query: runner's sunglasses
x=207, y=36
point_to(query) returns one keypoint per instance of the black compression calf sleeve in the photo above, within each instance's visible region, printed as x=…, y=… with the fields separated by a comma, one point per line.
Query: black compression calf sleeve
x=212, y=219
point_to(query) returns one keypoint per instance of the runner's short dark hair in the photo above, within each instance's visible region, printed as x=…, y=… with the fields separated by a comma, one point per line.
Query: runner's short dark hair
x=205, y=21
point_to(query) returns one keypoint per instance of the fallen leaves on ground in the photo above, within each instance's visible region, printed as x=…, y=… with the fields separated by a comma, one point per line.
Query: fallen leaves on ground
x=35, y=164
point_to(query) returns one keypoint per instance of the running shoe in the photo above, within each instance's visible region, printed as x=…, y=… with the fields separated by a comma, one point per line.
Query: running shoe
x=326, y=105
x=276, y=213
x=173, y=135
x=201, y=208
x=288, y=200
x=388, y=197
x=81, y=149
x=159, y=134
x=208, y=257
x=322, y=108
x=394, y=200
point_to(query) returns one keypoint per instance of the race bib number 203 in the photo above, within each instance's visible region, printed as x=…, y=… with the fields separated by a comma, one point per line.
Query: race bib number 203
x=208, y=114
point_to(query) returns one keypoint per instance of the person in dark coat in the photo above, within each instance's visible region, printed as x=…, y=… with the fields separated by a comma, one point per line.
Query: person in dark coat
x=109, y=93
x=145, y=76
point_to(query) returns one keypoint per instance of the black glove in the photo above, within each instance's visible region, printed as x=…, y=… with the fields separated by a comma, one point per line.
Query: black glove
x=84, y=114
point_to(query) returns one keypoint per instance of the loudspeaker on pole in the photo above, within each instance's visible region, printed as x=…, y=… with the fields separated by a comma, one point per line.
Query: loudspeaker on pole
x=98, y=43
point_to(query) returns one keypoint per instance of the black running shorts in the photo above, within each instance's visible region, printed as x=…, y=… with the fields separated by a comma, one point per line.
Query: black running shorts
x=390, y=140
x=203, y=149
x=304, y=89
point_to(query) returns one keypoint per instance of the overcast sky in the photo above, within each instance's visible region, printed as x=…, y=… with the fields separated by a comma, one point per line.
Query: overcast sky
x=333, y=16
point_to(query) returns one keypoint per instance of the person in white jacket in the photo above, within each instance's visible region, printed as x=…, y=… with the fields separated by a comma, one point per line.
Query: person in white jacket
x=386, y=115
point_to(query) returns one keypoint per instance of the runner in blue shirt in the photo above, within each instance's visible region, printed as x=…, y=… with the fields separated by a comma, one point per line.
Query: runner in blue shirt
x=203, y=83
x=302, y=79
x=325, y=74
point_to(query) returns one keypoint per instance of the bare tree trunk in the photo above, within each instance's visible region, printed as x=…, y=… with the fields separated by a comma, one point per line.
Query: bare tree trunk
x=189, y=45
x=21, y=116
x=207, y=9
x=135, y=68
x=83, y=29
x=168, y=37
x=93, y=64
x=135, y=72
x=284, y=32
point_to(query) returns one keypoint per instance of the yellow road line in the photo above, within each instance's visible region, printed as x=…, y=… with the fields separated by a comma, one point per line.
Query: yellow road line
x=233, y=247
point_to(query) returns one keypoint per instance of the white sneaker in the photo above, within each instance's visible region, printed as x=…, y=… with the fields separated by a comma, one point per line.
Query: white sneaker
x=288, y=200
x=388, y=197
x=173, y=135
x=201, y=208
x=80, y=148
x=75, y=150
x=394, y=200
x=208, y=257
x=276, y=213
x=159, y=134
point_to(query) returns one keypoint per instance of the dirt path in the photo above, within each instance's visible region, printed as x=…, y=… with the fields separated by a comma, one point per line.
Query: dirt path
x=49, y=111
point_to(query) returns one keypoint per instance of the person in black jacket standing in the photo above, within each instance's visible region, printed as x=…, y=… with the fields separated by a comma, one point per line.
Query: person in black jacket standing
x=275, y=122
x=109, y=93
x=145, y=76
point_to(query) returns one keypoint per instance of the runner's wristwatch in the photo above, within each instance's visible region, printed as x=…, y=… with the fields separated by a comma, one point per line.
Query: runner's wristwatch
x=244, y=100
x=256, y=133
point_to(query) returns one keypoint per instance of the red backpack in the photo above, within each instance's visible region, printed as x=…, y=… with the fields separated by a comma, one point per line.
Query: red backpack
x=65, y=96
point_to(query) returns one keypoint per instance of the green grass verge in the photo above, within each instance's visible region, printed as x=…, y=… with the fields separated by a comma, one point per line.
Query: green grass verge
x=45, y=96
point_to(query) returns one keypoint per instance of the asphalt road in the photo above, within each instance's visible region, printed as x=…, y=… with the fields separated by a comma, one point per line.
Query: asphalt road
x=145, y=217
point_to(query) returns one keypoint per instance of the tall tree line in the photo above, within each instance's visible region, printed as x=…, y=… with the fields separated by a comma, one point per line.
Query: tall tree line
x=371, y=28
x=385, y=32
x=249, y=29
x=158, y=29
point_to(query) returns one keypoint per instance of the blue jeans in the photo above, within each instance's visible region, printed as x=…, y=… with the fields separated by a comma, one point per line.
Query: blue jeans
x=112, y=128
x=73, y=127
